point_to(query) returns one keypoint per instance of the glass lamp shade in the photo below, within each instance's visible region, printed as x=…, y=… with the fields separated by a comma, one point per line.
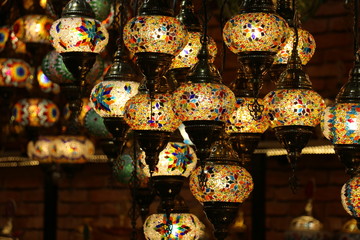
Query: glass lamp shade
x=288, y=107
x=241, y=120
x=39, y=150
x=55, y=69
x=340, y=123
x=188, y=55
x=85, y=107
x=156, y=114
x=4, y=36
x=71, y=149
x=45, y=84
x=350, y=196
x=101, y=8
x=35, y=112
x=33, y=28
x=109, y=97
x=204, y=101
x=94, y=123
x=78, y=35
x=15, y=73
x=184, y=226
x=225, y=183
x=177, y=159
x=257, y=31
x=306, y=47
x=158, y=34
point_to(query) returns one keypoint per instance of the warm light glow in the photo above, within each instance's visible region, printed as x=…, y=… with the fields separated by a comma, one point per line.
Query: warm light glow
x=257, y=31
x=225, y=183
x=4, y=36
x=288, y=107
x=188, y=56
x=15, y=73
x=159, y=34
x=204, y=101
x=35, y=112
x=340, y=123
x=156, y=113
x=241, y=120
x=306, y=47
x=45, y=84
x=350, y=196
x=33, y=28
x=109, y=97
x=39, y=150
x=78, y=35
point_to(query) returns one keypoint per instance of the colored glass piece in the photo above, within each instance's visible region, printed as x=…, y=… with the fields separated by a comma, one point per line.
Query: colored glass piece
x=294, y=107
x=340, y=123
x=306, y=47
x=94, y=123
x=257, y=31
x=156, y=113
x=15, y=73
x=35, y=112
x=159, y=34
x=350, y=197
x=78, y=35
x=188, y=55
x=204, y=101
x=33, y=28
x=225, y=183
x=109, y=97
x=241, y=120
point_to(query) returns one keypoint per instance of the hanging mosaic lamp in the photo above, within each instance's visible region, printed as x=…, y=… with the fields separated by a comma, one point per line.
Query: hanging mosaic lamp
x=256, y=35
x=15, y=73
x=226, y=186
x=350, y=198
x=246, y=125
x=294, y=110
x=35, y=112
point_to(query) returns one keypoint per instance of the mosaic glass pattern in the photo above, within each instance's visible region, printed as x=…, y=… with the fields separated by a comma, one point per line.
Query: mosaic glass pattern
x=109, y=97
x=225, y=183
x=177, y=159
x=35, y=112
x=255, y=32
x=184, y=226
x=45, y=84
x=294, y=107
x=39, y=150
x=204, y=101
x=341, y=123
x=4, y=36
x=188, y=55
x=350, y=196
x=15, y=73
x=55, y=69
x=94, y=123
x=33, y=28
x=241, y=120
x=18, y=45
x=71, y=149
x=101, y=8
x=85, y=107
x=78, y=35
x=159, y=34
x=144, y=113
x=306, y=47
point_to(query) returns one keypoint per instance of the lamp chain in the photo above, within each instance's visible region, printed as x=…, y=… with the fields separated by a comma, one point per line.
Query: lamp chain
x=134, y=185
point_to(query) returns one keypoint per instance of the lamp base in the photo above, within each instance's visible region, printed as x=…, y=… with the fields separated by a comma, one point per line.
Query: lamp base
x=221, y=215
x=79, y=64
x=245, y=144
x=203, y=133
x=349, y=155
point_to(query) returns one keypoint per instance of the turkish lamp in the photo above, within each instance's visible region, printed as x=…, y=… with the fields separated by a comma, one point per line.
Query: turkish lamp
x=226, y=186
x=256, y=35
x=350, y=198
x=248, y=121
x=15, y=72
x=294, y=110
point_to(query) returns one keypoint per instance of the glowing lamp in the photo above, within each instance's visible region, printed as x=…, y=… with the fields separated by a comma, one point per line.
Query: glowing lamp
x=45, y=84
x=4, y=36
x=350, y=195
x=40, y=149
x=33, y=28
x=15, y=73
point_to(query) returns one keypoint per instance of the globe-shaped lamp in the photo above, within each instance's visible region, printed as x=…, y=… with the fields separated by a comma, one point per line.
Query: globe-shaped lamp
x=33, y=28
x=15, y=73
x=40, y=149
x=101, y=8
x=350, y=194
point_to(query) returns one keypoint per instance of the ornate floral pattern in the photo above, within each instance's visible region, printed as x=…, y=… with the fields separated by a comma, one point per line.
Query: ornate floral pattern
x=78, y=35
x=160, y=34
x=204, y=101
x=255, y=32
x=340, y=123
x=241, y=120
x=188, y=56
x=156, y=113
x=109, y=97
x=225, y=183
x=33, y=28
x=15, y=73
x=350, y=197
x=35, y=112
x=294, y=107
x=306, y=47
